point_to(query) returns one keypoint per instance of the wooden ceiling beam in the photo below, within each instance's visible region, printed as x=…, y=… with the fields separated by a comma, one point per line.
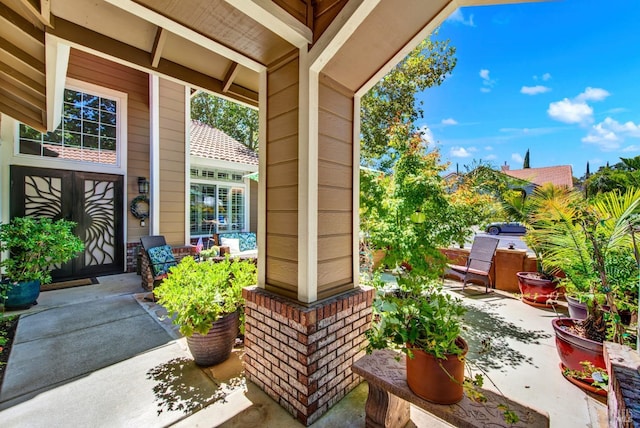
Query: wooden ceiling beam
x=41, y=10
x=33, y=100
x=22, y=56
x=21, y=24
x=21, y=112
x=141, y=60
x=158, y=46
x=130, y=6
x=25, y=81
x=230, y=76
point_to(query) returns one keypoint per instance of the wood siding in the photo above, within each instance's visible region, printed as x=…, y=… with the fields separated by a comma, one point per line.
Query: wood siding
x=335, y=188
x=89, y=68
x=282, y=179
x=172, y=162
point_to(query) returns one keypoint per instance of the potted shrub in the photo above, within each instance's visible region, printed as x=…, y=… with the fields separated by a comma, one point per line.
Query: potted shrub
x=589, y=241
x=205, y=300
x=425, y=323
x=34, y=245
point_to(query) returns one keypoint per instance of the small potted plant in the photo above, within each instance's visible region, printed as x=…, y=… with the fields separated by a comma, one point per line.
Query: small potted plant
x=34, y=245
x=205, y=300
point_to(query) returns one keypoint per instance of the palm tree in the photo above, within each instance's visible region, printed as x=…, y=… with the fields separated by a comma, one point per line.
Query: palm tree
x=585, y=239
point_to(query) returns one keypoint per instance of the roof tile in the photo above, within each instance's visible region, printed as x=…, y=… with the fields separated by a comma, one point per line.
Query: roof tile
x=211, y=143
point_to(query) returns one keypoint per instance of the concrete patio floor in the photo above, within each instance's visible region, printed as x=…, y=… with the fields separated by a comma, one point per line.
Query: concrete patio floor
x=100, y=355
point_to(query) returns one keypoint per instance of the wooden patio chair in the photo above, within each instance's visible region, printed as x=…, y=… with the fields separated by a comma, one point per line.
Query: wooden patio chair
x=479, y=262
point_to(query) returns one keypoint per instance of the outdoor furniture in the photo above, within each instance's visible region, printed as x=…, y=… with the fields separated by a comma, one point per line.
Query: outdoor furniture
x=389, y=397
x=479, y=262
x=239, y=244
x=157, y=258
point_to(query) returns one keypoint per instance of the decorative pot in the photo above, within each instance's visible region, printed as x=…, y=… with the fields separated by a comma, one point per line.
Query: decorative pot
x=572, y=348
x=430, y=378
x=535, y=289
x=577, y=309
x=215, y=346
x=22, y=295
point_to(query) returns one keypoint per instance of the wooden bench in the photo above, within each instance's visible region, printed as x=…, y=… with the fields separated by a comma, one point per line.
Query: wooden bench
x=389, y=398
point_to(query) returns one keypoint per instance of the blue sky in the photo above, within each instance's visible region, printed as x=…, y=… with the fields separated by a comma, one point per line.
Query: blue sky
x=560, y=78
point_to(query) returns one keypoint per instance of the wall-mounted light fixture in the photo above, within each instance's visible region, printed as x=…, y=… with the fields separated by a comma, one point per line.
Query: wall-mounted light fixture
x=143, y=185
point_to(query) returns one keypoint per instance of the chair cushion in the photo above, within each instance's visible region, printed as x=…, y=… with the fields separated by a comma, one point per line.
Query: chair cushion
x=161, y=259
x=233, y=244
x=247, y=240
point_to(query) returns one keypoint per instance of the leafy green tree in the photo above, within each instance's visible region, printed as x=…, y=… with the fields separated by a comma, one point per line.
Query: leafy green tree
x=235, y=120
x=389, y=110
x=621, y=176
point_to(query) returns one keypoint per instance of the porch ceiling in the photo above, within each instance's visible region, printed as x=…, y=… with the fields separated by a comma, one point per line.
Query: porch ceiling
x=219, y=46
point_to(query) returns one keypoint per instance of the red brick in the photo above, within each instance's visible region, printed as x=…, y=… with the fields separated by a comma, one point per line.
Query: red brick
x=303, y=338
x=293, y=343
x=335, y=326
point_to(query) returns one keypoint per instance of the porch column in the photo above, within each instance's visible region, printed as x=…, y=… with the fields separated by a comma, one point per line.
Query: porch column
x=305, y=322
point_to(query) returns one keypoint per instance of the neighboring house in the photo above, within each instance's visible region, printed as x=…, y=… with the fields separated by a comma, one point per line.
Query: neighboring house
x=561, y=175
x=220, y=187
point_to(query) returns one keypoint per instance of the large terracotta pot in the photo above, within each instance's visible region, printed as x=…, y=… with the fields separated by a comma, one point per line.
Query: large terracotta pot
x=572, y=349
x=535, y=289
x=215, y=347
x=429, y=377
x=577, y=309
x=22, y=295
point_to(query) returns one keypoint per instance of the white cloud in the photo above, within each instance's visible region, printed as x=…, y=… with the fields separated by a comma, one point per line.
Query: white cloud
x=458, y=17
x=488, y=148
x=516, y=157
x=427, y=134
x=449, y=121
x=546, y=76
x=460, y=152
x=534, y=90
x=491, y=157
x=633, y=148
x=487, y=82
x=569, y=111
x=609, y=134
x=593, y=94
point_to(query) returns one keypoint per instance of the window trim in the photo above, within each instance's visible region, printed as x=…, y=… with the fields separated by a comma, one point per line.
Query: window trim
x=120, y=167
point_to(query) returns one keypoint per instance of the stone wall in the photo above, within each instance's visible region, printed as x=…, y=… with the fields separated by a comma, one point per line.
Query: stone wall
x=302, y=356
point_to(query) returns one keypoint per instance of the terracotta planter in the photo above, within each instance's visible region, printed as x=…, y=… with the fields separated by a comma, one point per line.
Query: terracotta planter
x=215, y=347
x=535, y=289
x=22, y=295
x=572, y=349
x=428, y=377
x=577, y=309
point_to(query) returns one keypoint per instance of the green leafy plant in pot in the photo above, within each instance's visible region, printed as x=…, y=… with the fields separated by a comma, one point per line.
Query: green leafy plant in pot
x=34, y=245
x=205, y=301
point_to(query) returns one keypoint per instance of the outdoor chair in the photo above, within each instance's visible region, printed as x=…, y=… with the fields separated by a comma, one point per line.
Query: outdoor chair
x=479, y=262
x=157, y=258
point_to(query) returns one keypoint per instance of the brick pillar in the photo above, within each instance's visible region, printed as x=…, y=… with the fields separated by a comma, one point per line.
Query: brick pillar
x=623, y=399
x=302, y=356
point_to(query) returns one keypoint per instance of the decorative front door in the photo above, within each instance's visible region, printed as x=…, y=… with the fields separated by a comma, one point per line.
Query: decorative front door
x=93, y=201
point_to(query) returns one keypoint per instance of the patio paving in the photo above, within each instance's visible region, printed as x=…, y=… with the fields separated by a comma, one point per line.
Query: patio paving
x=101, y=355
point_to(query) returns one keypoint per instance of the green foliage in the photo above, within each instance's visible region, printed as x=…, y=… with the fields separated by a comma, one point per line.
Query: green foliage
x=198, y=294
x=417, y=318
x=389, y=109
x=589, y=241
x=596, y=376
x=237, y=121
x=35, y=245
x=621, y=176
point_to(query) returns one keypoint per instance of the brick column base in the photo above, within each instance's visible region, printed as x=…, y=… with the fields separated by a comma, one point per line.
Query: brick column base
x=301, y=356
x=623, y=399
